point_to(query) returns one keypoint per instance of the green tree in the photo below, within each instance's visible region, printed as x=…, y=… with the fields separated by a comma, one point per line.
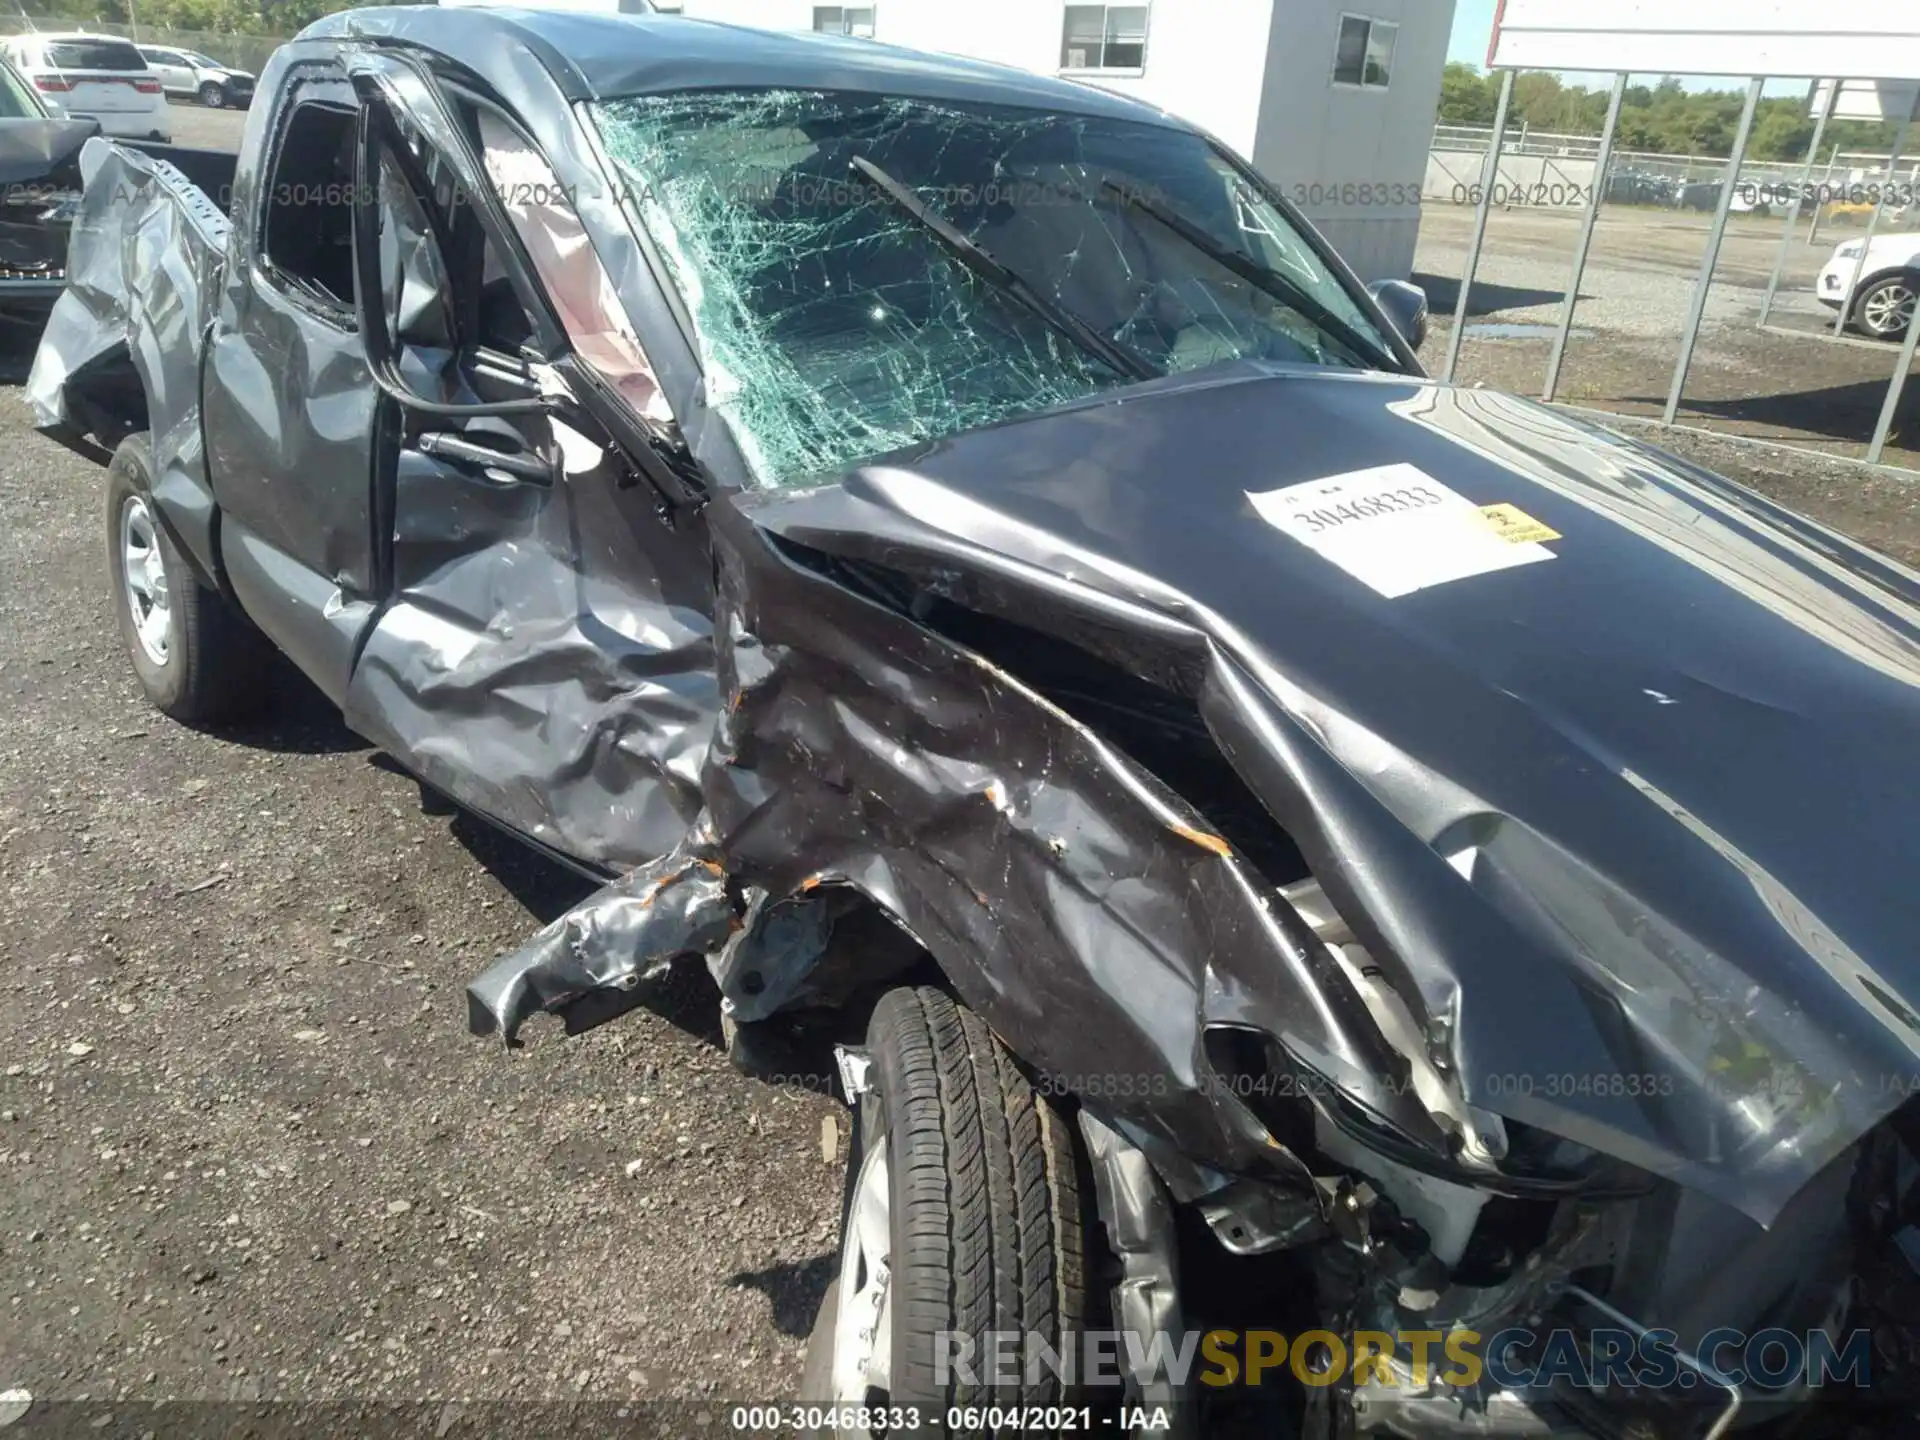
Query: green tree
x=1782, y=132
x=1466, y=96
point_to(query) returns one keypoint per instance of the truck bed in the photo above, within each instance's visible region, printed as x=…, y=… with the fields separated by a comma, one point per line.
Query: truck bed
x=211, y=171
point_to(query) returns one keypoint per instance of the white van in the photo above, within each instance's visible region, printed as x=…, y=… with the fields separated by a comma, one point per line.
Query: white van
x=95, y=77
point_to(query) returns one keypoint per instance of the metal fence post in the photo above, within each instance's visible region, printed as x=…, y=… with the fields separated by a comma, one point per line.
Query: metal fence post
x=1489, y=179
x=1586, y=236
x=1826, y=190
x=1704, y=286
x=1873, y=227
x=1901, y=371
x=1799, y=194
x=1884, y=431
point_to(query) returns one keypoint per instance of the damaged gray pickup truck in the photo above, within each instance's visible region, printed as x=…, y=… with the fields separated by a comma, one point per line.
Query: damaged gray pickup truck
x=1317, y=854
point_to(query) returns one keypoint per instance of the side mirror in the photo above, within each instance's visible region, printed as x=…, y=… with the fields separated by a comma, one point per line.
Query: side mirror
x=1406, y=307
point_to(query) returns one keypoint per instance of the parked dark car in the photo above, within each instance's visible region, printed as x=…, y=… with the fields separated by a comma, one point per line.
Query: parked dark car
x=41, y=179
x=40, y=173
x=1749, y=197
x=1312, y=849
x=1641, y=187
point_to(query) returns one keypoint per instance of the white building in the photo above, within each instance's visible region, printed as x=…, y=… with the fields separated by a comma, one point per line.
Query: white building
x=1333, y=100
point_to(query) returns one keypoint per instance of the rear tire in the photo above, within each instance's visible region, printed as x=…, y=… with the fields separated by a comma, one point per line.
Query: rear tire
x=984, y=1217
x=213, y=95
x=1886, y=307
x=195, y=657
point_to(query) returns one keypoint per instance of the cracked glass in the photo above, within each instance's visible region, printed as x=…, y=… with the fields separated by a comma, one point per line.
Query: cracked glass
x=834, y=326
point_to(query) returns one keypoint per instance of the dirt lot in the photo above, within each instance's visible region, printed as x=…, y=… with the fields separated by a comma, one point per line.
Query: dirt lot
x=1634, y=302
x=247, y=1149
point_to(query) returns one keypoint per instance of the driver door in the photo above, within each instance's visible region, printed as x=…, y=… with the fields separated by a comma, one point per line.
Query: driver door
x=544, y=653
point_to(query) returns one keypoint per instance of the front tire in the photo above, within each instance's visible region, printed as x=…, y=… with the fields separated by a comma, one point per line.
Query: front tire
x=965, y=1219
x=213, y=95
x=194, y=656
x=1886, y=307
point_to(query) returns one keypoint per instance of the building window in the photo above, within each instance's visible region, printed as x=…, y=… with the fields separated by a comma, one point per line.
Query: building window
x=844, y=20
x=1365, y=55
x=1104, y=37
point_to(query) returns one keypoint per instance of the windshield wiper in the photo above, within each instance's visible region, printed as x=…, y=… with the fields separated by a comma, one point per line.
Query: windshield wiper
x=1368, y=352
x=1008, y=282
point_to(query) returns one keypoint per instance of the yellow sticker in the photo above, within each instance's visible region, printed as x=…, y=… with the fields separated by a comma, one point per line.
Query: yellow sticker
x=1515, y=526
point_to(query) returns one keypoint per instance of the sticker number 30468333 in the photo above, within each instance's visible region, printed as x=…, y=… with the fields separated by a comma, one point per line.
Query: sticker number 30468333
x=1397, y=529
x=1322, y=518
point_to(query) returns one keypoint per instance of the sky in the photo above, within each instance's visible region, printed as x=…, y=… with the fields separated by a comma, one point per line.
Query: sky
x=1473, y=28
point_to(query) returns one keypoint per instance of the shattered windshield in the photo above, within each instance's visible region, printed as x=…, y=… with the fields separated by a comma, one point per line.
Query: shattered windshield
x=979, y=263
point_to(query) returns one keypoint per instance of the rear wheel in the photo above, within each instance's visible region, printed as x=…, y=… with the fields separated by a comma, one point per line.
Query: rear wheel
x=964, y=1220
x=1886, y=307
x=196, y=659
x=213, y=95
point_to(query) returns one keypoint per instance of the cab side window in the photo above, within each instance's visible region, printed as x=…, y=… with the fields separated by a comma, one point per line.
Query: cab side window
x=306, y=201
x=421, y=197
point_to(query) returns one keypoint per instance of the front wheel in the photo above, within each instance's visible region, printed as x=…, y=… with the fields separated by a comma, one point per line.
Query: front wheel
x=1887, y=307
x=213, y=95
x=964, y=1223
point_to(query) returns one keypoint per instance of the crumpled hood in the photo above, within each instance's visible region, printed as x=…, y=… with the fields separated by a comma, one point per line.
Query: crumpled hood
x=1633, y=821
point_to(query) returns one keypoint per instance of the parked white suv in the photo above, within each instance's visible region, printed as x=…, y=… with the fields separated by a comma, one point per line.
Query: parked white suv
x=1883, y=303
x=95, y=77
x=194, y=76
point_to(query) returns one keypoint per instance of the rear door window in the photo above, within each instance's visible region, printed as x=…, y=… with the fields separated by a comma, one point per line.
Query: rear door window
x=306, y=231
x=94, y=55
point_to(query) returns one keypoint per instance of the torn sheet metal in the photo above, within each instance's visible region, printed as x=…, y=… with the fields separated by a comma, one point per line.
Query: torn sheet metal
x=143, y=270
x=1138, y=1215
x=630, y=932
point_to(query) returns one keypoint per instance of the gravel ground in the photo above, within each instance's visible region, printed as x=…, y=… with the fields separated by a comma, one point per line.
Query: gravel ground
x=248, y=1150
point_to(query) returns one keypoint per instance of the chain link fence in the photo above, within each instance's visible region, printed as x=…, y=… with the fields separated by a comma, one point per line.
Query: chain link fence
x=241, y=52
x=1557, y=171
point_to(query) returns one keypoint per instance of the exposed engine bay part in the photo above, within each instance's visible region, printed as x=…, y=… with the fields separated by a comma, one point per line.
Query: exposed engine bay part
x=1138, y=1215
x=1724, y=1421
